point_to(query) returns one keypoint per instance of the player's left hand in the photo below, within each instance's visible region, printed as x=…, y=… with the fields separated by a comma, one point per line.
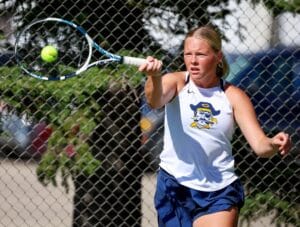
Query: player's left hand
x=282, y=142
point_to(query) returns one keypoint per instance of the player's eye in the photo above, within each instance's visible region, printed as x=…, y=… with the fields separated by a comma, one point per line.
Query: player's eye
x=199, y=54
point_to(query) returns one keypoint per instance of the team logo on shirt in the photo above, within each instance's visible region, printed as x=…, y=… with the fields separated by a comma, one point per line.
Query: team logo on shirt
x=204, y=115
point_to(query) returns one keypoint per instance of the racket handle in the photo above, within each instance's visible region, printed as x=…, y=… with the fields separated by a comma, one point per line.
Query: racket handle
x=133, y=61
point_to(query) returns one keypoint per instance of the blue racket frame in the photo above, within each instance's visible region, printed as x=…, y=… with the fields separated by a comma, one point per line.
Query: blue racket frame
x=91, y=44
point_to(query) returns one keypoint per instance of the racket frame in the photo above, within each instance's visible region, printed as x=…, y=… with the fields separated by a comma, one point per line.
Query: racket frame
x=91, y=44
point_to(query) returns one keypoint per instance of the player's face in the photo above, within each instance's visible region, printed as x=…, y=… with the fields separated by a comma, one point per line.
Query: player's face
x=200, y=59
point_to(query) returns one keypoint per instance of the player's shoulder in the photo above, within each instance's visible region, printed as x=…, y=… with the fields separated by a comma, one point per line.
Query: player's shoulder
x=179, y=76
x=232, y=89
x=234, y=93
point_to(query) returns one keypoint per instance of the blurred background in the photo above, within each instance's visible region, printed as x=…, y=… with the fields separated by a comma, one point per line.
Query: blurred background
x=84, y=152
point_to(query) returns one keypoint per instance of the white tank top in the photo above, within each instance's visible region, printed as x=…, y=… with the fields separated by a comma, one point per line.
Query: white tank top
x=197, y=148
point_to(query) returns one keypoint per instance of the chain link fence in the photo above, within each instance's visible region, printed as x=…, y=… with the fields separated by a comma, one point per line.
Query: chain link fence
x=84, y=152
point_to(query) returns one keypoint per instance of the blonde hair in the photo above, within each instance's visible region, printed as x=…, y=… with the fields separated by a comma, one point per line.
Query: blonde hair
x=213, y=37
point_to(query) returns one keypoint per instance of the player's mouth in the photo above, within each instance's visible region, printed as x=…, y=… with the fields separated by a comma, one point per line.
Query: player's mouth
x=194, y=70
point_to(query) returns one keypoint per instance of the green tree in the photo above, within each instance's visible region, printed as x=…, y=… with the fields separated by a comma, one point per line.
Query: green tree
x=71, y=109
x=119, y=23
x=277, y=7
x=189, y=13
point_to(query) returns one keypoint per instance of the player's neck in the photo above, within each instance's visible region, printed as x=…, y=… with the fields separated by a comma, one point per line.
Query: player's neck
x=208, y=82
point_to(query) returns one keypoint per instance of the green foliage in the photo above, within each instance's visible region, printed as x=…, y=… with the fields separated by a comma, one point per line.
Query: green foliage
x=263, y=204
x=292, y=6
x=193, y=13
x=70, y=109
x=277, y=7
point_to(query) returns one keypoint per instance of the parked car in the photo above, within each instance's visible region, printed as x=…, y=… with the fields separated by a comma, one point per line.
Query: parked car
x=7, y=58
x=20, y=135
x=151, y=124
x=272, y=79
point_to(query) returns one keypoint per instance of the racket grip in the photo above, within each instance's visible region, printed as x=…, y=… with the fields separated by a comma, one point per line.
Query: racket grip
x=133, y=61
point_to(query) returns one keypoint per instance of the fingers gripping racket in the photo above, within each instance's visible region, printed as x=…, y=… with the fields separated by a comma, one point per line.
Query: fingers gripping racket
x=70, y=50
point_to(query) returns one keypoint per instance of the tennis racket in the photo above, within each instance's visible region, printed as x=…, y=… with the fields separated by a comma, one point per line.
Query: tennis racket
x=74, y=46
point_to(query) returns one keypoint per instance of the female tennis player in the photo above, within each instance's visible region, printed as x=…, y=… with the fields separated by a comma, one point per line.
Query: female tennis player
x=197, y=184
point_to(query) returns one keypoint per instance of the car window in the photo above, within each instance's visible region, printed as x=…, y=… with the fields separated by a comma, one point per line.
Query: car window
x=237, y=64
x=151, y=118
x=296, y=73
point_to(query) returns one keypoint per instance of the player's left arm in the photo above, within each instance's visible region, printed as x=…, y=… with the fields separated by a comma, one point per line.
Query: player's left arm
x=246, y=119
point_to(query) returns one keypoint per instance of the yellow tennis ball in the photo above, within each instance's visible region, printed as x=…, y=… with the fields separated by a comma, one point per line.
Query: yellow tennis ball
x=49, y=54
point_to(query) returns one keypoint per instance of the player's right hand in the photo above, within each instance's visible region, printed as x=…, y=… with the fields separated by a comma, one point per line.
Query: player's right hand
x=152, y=67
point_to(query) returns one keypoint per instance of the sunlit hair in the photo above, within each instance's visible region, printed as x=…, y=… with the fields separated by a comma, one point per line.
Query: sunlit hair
x=213, y=37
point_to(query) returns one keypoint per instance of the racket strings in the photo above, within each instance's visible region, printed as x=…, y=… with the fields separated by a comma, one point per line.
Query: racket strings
x=72, y=47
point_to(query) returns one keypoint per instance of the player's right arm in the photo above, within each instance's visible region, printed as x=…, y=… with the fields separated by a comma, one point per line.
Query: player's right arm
x=159, y=89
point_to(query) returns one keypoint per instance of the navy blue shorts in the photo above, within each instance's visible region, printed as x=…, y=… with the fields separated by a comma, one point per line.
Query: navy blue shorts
x=179, y=206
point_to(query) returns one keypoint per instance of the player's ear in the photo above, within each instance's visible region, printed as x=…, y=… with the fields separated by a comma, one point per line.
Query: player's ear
x=220, y=56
